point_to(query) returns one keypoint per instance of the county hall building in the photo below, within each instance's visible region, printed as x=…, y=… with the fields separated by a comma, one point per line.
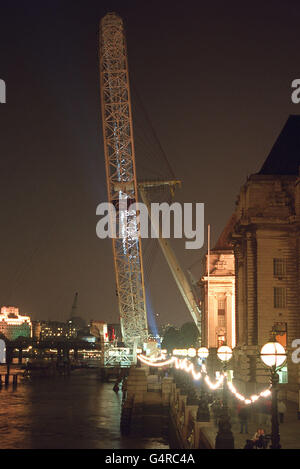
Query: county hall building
x=262, y=238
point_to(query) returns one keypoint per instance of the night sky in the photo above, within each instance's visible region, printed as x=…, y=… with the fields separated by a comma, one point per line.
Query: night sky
x=215, y=79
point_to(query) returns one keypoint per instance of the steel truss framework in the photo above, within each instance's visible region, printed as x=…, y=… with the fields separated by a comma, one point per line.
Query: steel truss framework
x=121, y=177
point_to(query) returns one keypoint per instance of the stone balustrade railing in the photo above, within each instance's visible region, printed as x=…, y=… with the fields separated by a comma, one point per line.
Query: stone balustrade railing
x=190, y=432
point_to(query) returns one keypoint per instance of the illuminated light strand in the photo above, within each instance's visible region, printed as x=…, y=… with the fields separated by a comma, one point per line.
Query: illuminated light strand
x=148, y=362
x=252, y=399
x=196, y=375
x=266, y=392
x=183, y=365
x=188, y=367
x=215, y=385
x=156, y=359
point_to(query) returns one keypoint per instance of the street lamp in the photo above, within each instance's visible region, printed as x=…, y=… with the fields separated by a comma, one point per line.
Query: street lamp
x=203, y=353
x=224, y=438
x=224, y=353
x=273, y=355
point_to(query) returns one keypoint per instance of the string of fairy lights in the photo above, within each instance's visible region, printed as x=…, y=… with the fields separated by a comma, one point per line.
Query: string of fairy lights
x=187, y=366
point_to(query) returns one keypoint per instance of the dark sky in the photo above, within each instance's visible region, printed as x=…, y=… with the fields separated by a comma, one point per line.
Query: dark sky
x=215, y=80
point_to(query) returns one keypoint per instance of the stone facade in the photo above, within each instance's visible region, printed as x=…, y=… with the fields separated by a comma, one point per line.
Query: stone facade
x=263, y=235
x=218, y=300
x=218, y=293
x=266, y=244
x=267, y=248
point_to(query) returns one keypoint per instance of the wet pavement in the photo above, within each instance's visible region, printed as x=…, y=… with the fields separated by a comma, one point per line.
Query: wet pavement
x=77, y=411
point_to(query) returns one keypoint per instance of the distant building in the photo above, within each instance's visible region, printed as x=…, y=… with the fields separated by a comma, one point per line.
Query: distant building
x=13, y=324
x=91, y=339
x=76, y=323
x=114, y=332
x=46, y=330
x=99, y=329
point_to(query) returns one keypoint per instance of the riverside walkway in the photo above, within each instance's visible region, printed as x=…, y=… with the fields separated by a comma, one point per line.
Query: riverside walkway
x=289, y=430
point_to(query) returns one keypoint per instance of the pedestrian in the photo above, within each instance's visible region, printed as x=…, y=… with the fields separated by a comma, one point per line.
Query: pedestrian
x=281, y=410
x=259, y=440
x=249, y=444
x=116, y=387
x=243, y=418
x=216, y=408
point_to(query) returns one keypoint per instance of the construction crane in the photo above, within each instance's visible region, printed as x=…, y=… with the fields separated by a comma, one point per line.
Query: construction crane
x=74, y=306
x=179, y=276
x=122, y=185
x=121, y=176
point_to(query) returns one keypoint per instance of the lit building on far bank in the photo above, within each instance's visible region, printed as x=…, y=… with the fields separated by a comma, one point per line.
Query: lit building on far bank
x=48, y=330
x=13, y=324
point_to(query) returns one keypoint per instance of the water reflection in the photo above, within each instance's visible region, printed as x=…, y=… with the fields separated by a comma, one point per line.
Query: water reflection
x=65, y=412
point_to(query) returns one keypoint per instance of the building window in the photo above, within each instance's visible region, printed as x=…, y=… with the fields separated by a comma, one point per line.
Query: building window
x=279, y=267
x=283, y=375
x=221, y=313
x=279, y=297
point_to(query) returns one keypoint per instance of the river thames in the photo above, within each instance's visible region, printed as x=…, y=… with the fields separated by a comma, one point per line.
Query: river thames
x=76, y=411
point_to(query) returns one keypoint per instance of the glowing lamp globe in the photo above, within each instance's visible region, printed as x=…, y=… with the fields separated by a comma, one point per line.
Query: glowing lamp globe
x=224, y=353
x=273, y=354
x=203, y=352
x=191, y=352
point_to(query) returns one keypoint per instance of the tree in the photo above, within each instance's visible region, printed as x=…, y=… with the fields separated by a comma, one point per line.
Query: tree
x=189, y=335
x=21, y=343
x=171, y=339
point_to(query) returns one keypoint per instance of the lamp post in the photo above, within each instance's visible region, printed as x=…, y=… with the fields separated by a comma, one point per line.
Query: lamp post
x=191, y=393
x=273, y=355
x=224, y=438
x=203, y=414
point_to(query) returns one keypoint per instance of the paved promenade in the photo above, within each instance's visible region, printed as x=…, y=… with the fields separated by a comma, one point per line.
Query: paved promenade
x=289, y=430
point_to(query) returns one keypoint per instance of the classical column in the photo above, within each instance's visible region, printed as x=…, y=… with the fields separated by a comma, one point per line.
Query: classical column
x=237, y=286
x=252, y=289
x=241, y=326
x=213, y=308
x=228, y=309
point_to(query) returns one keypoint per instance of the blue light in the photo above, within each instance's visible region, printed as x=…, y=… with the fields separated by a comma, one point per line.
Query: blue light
x=151, y=318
